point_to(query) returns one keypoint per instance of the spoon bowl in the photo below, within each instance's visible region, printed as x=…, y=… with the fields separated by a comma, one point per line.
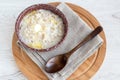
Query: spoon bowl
x=56, y=63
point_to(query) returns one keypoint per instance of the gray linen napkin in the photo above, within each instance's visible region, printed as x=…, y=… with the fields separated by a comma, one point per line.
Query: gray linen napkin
x=77, y=31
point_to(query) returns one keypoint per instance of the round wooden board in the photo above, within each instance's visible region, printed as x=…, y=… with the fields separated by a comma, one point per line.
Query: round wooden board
x=84, y=72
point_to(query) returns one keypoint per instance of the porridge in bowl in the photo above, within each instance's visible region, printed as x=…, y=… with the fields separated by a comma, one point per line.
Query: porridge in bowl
x=41, y=29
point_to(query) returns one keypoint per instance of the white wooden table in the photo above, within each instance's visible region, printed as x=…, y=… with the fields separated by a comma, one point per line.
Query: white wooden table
x=106, y=11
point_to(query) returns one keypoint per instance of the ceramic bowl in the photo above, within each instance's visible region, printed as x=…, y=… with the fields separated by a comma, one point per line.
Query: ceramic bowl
x=38, y=7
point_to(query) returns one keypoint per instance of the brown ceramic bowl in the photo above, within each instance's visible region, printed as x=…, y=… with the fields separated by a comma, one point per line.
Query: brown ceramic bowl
x=38, y=7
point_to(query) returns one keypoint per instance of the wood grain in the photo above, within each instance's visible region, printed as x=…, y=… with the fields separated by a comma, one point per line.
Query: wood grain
x=84, y=72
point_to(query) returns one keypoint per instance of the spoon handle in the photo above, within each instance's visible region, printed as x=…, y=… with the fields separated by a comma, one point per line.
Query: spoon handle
x=85, y=40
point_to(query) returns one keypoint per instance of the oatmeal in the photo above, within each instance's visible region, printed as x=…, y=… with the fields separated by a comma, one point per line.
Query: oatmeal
x=41, y=29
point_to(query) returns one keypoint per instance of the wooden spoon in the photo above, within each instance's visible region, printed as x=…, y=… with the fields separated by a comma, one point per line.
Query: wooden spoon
x=58, y=62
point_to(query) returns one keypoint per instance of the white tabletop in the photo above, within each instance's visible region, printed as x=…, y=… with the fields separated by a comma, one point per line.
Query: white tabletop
x=106, y=11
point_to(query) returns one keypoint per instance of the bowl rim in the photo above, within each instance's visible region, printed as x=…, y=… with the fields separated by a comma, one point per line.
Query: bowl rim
x=38, y=7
